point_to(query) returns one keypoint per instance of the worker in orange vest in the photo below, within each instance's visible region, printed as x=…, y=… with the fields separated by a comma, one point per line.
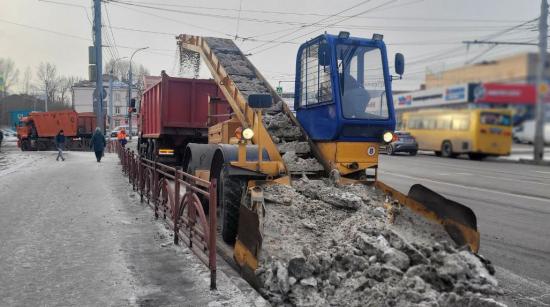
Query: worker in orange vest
x=121, y=137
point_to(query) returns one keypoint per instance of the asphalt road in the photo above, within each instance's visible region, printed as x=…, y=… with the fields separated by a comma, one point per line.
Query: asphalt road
x=511, y=202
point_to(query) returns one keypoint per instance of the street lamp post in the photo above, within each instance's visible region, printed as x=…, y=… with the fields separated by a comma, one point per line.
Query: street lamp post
x=130, y=91
x=111, y=126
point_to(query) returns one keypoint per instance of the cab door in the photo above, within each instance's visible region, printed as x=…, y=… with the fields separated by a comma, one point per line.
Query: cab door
x=314, y=100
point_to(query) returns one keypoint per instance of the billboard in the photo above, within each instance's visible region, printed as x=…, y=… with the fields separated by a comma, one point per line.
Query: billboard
x=432, y=97
x=16, y=115
x=505, y=93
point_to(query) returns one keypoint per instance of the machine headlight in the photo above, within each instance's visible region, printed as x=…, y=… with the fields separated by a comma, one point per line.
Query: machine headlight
x=388, y=137
x=248, y=134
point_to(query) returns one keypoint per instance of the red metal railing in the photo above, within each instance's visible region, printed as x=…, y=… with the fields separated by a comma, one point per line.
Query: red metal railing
x=180, y=200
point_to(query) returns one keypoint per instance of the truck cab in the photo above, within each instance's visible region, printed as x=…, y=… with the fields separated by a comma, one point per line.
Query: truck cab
x=343, y=88
x=343, y=98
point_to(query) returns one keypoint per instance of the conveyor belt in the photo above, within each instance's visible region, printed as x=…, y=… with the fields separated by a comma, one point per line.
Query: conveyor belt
x=298, y=152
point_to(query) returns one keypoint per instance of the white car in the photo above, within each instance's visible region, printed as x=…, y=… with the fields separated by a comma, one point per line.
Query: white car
x=9, y=135
x=525, y=133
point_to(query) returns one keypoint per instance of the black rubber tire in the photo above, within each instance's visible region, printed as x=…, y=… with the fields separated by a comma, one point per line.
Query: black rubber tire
x=447, y=149
x=413, y=153
x=230, y=193
x=389, y=150
x=437, y=153
x=25, y=145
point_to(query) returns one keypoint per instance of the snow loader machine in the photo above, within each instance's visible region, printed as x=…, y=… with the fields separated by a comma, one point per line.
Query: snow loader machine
x=343, y=112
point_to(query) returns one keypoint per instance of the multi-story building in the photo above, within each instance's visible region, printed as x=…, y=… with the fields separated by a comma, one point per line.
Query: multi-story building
x=520, y=68
x=83, y=93
x=503, y=83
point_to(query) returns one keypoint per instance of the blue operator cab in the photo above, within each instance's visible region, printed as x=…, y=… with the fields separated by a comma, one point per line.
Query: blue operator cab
x=343, y=88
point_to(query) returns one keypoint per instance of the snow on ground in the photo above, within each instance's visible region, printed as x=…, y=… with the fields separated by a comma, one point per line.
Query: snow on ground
x=74, y=234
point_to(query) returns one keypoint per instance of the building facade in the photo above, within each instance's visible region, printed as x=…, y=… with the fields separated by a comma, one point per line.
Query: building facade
x=83, y=93
x=504, y=83
x=521, y=68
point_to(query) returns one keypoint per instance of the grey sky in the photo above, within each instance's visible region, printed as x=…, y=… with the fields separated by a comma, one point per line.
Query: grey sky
x=428, y=32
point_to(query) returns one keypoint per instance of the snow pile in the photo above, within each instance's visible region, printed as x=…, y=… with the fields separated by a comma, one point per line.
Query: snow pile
x=327, y=245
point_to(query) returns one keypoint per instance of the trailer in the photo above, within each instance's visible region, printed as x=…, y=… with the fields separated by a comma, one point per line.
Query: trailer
x=37, y=131
x=178, y=111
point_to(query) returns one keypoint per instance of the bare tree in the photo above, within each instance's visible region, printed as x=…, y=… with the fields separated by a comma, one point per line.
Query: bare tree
x=120, y=70
x=48, y=80
x=8, y=73
x=27, y=81
x=65, y=85
x=138, y=80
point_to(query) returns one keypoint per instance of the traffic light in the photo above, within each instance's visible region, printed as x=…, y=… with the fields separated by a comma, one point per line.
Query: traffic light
x=132, y=107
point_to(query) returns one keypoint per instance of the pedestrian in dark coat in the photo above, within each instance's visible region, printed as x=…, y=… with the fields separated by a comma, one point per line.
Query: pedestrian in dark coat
x=60, y=145
x=98, y=144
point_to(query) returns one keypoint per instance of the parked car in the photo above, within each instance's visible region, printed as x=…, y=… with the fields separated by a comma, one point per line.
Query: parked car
x=525, y=133
x=402, y=142
x=9, y=135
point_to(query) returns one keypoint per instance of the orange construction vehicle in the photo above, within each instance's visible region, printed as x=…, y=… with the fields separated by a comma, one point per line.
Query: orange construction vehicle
x=38, y=130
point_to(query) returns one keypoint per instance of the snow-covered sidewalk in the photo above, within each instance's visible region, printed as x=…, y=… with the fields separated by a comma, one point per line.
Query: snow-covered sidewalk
x=74, y=234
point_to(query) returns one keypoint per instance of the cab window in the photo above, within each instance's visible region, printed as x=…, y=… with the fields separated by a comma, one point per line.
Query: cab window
x=315, y=83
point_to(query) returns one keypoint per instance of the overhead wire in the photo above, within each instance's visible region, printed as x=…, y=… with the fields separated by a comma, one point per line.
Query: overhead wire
x=313, y=24
x=111, y=30
x=313, y=14
x=332, y=24
x=170, y=19
x=46, y=30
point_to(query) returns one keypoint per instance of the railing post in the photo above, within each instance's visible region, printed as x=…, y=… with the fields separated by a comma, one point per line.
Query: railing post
x=135, y=171
x=129, y=155
x=175, y=212
x=155, y=187
x=141, y=184
x=212, y=237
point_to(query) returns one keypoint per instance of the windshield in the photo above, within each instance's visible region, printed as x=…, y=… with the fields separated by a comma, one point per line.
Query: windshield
x=489, y=118
x=362, y=84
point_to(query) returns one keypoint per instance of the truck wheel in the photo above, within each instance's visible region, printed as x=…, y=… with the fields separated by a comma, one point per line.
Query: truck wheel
x=25, y=145
x=447, y=150
x=389, y=150
x=231, y=190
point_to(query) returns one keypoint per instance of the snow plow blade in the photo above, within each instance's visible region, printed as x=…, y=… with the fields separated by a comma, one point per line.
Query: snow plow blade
x=250, y=234
x=459, y=221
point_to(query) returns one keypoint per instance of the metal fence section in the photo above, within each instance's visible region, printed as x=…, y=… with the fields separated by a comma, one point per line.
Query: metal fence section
x=180, y=199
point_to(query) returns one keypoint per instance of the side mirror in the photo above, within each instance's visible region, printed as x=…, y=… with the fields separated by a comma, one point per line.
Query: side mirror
x=324, y=54
x=133, y=103
x=399, y=64
x=260, y=101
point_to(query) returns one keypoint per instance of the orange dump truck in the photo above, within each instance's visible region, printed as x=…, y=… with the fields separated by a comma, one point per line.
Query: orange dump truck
x=37, y=131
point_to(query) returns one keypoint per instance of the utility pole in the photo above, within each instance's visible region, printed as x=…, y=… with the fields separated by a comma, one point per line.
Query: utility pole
x=130, y=91
x=542, y=86
x=98, y=99
x=110, y=116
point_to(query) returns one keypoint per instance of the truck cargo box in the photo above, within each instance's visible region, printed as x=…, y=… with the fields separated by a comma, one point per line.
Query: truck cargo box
x=48, y=124
x=86, y=123
x=174, y=106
